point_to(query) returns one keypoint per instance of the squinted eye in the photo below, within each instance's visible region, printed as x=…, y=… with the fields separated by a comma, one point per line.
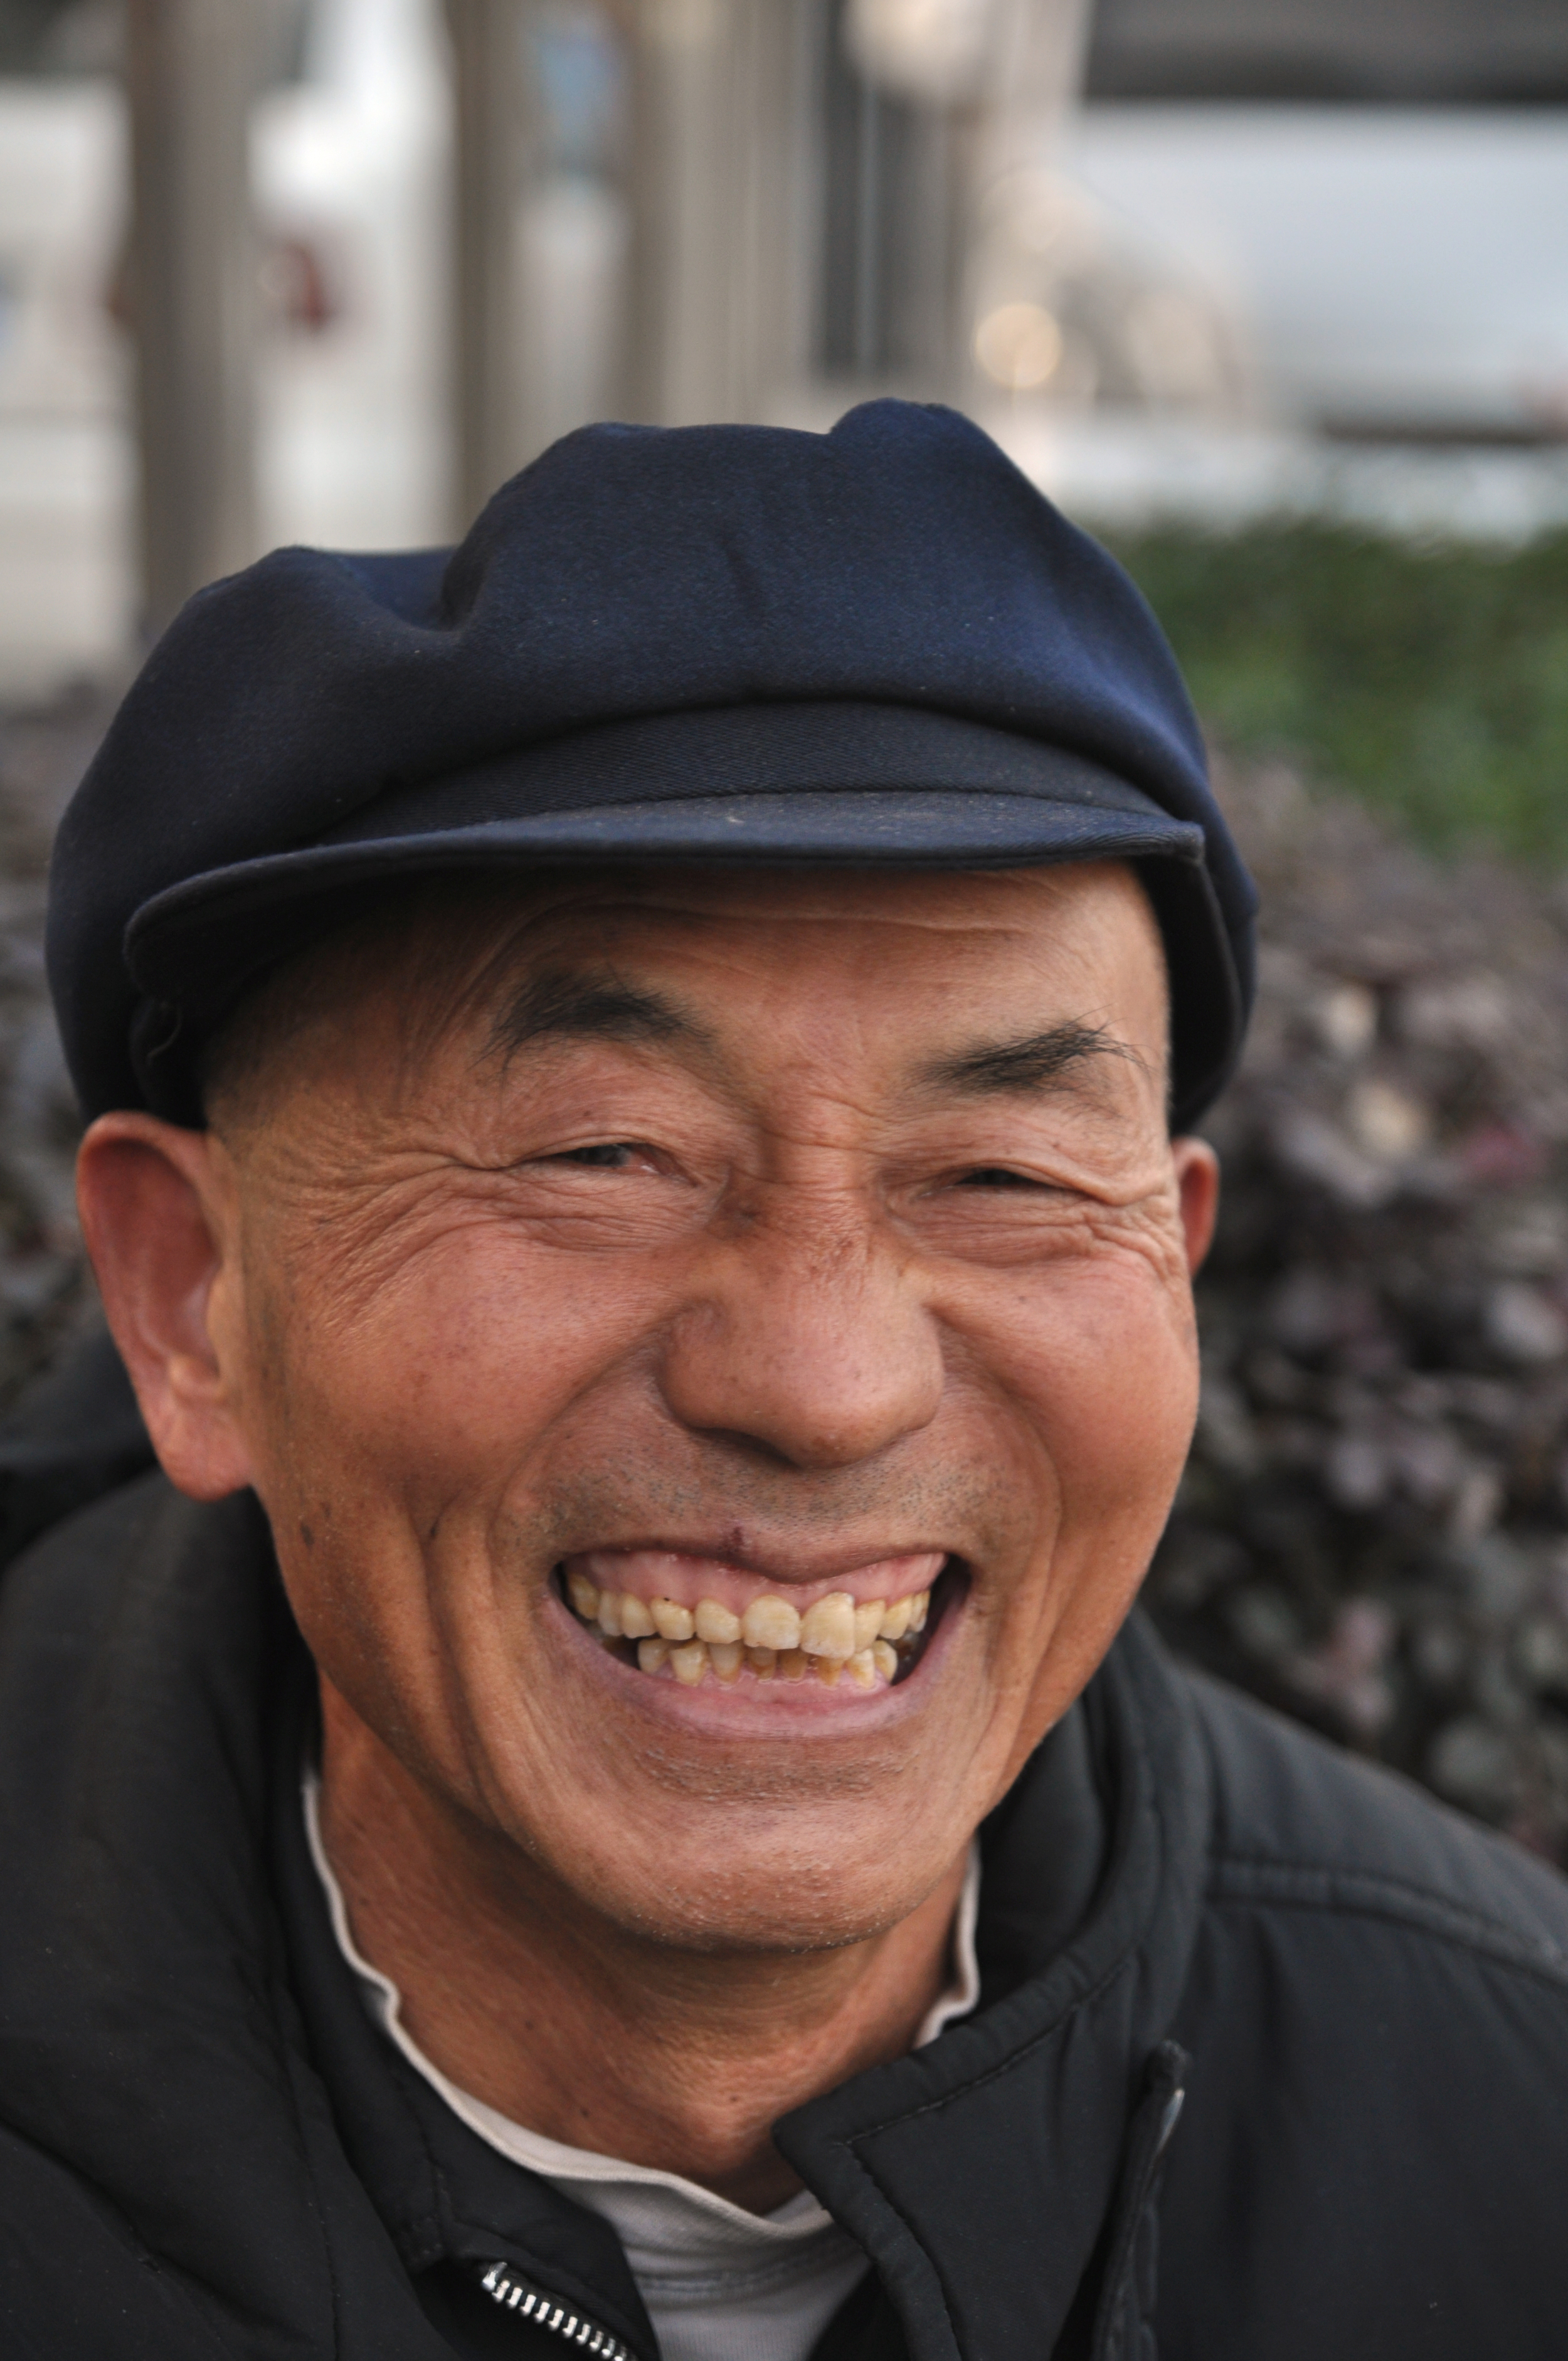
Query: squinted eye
x=994, y=1176
x=604, y=1156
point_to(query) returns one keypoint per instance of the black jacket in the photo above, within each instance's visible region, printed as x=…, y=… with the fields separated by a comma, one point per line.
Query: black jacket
x=206, y=2149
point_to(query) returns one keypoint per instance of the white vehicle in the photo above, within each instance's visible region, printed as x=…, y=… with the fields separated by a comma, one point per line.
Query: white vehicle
x=1383, y=193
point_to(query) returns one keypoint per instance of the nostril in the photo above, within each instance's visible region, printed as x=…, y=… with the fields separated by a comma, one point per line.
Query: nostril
x=806, y=1363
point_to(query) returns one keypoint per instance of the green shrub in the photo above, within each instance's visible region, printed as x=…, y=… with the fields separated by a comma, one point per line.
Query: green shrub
x=1429, y=680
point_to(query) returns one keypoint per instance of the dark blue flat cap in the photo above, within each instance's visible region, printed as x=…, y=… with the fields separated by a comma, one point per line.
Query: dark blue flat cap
x=731, y=643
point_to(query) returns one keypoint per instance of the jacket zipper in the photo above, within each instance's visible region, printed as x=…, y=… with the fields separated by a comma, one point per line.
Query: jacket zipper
x=515, y=2294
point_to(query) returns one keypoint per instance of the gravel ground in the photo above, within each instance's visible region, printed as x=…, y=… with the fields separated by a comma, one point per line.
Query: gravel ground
x=1373, y=1533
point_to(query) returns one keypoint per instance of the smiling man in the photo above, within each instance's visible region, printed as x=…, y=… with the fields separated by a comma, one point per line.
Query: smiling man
x=605, y=1794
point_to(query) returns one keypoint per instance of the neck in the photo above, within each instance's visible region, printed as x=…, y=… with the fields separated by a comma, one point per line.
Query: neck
x=584, y=2030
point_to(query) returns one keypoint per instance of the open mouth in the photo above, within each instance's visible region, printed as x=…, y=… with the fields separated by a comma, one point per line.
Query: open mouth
x=691, y=1619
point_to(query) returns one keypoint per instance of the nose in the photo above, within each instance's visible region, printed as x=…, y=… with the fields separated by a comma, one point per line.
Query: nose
x=809, y=1340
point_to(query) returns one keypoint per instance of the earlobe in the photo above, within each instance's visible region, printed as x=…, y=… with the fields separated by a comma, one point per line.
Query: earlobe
x=152, y=1210
x=1198, y=1183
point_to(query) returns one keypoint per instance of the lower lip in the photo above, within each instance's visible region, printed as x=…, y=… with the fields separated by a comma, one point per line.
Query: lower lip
x=752, y=1709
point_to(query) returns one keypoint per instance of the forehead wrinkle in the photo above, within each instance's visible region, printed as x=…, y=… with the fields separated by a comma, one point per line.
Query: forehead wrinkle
x=560, y=990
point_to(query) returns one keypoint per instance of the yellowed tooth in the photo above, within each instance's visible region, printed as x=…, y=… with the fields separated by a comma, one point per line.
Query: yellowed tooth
x=689, y=1661
x=922, y=1608
x=583, y=1596
x=861, y=1669
x=725, y=1656
x=793, y=1663
x=652, y=1656
x=868, y=1621
x=610, y=1614
x=828, y=1669
x=670, y=1620
x=763, y=1661
x=828, y=1627
x=635, y=1620
x=884, y=1656
x=895, y=1618
x=715, y=1622
x=771, y=1623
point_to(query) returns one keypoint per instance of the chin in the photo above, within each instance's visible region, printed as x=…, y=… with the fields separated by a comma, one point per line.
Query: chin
x=756, y=1904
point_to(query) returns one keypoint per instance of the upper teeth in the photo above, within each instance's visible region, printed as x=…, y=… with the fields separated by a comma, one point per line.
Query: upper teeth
x=837, y=1633
x=839, y=1625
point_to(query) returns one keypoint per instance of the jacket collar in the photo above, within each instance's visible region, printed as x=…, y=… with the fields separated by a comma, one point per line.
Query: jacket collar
x=442, y=2192
x=1006, y=2138
x=145, y=1673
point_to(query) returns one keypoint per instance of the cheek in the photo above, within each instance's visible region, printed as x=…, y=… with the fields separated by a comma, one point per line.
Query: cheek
x=1107, y=1370
x=389, y=1435
x=438, y=1386
x=1104, y=1364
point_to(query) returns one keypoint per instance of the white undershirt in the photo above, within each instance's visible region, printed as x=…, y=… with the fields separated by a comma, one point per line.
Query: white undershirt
x=720, y=2284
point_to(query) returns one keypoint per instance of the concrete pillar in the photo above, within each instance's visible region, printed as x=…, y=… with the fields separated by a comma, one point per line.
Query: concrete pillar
x=193, y=68
x=496, y=134
x=722, y=189
x=931, y=103
x=1036, y=76
x=1037, y=55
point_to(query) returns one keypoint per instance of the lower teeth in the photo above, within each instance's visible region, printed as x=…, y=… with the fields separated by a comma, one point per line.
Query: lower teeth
x=692, y=1662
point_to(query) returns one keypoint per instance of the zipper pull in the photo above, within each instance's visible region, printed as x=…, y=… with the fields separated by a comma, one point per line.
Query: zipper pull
x=514, y=2292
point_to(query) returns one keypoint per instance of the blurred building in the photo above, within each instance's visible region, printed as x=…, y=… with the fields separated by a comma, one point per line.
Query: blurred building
x=349, y=168
x=1267, y=223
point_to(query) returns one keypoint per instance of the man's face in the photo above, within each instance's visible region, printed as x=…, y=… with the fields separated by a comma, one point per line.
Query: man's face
x=742, y=1242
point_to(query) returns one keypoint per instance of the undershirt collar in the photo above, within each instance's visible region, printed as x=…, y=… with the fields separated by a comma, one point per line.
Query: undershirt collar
x=720, y=2284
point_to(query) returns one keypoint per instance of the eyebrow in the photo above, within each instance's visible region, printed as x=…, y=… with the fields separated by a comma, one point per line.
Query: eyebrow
x=1034, y=1061
x=590, y=1008
x=561, y=1006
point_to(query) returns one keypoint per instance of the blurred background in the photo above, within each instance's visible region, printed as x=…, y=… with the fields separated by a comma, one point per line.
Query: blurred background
x=1271, y=293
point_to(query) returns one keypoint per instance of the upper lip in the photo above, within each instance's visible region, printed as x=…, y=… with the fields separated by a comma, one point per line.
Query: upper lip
x=788, y=1564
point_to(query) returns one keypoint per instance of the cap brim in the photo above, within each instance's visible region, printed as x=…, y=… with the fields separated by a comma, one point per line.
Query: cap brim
x=196, y=946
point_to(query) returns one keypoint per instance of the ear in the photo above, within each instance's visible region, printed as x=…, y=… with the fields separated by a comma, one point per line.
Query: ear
x=1198, y=1181
x=157, y=1212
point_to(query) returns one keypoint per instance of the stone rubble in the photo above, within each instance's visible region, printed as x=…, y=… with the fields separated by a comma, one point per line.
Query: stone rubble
x=1372, y=1532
